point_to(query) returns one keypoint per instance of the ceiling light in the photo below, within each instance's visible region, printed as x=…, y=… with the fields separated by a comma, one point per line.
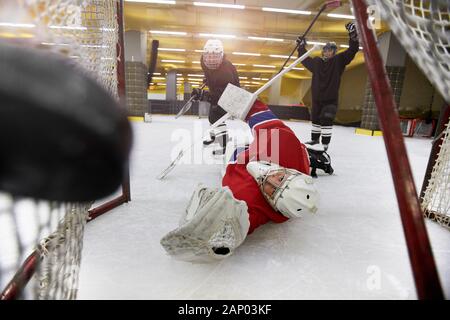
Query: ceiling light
x=169, y=32
x=263, y=66
x=265, y=79
x=170, y=49
x=286, y=11
x=239, y=64
x=68, y=28
x=17, y=25
x=174, y=61
x=247, y=54
x=218, y=5
x=295, y=68
x=153, y=1
x=347, y=46
x=156, y=73
x=342, y=16
x=266, y=39
x=212, y=35
x=256, y=78
x=179, y=74
x=196, y=62
x=195, y=79
x=159, y=78
x=199, y=50
x=280, y=56
x=315, y=42
x=195, y=75
x=245, y=78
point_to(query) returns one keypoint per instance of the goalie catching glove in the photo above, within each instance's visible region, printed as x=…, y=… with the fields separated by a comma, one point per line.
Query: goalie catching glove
x=212, y=227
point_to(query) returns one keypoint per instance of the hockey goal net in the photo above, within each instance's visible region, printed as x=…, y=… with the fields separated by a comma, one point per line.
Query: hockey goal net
x=41, y=241
x=422, y=27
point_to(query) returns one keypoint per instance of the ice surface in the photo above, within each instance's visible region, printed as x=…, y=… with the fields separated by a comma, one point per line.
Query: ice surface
x=353, y=248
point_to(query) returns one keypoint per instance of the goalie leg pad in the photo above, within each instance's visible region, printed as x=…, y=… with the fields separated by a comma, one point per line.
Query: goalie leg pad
x=212, y=227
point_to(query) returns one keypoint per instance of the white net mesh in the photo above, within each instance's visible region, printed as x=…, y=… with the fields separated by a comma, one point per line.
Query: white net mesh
x=86, y=32
x=436, y=200
x=423, y=29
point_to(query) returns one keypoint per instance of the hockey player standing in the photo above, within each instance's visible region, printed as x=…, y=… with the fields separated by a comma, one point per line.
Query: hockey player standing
x=219, y=72
x=265, y=182
x=326, y=77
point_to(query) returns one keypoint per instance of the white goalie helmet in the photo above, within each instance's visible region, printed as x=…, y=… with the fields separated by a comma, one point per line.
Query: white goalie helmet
x=294, y=195
x=213, y=54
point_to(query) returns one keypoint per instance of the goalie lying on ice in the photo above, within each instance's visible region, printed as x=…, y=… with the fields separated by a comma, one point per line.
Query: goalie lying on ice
x=267, y=181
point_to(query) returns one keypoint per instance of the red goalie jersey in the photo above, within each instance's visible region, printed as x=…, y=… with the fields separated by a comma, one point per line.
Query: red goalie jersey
x=274, y=142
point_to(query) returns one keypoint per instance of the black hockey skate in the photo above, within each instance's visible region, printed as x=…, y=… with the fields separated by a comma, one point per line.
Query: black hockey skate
x=319, y=159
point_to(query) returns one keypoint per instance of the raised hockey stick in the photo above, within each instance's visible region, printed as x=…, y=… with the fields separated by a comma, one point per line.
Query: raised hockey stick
x=326, y=5
x=239, y=99
x=188, y=104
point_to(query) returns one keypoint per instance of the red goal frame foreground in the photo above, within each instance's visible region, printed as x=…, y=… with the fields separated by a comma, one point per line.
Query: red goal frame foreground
x=419, y=249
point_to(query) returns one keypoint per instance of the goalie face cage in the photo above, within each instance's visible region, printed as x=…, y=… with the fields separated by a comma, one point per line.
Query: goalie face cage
x=40, y=240
x=418, y=25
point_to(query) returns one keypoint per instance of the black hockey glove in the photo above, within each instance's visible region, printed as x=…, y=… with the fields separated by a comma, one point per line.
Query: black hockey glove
x=197, y=94
x=352, y=33
x=301, y=43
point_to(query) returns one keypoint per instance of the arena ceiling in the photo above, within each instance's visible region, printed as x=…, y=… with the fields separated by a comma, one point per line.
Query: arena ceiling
x=194, y=21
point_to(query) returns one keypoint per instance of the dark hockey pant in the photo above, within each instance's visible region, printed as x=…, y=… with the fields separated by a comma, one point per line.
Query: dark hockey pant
x=323, y=114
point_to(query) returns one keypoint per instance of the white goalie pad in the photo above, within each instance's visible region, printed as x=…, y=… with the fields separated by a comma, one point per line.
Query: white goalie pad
x=236, y=101
x=212, y=227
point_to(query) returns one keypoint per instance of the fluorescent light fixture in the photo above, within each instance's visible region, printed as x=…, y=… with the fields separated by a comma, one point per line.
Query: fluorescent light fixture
x=170, y=49
x=218, y=5
x=296, y=68
x=342, y=16
x=244, y=78
x=54, y=44
x=17, y=25
x=199, y=50
x=316, y=42
x=159, y=78
x=214, y=35
x=196, y=62
x=195, y=79
x=287, y=11
x=253, y=82
x=153, y=1
x=265, y=79
x=179, y=74
x=195, y=75
x=263, y=66
x=178, y=33
x=239, y=64
x=347, y=46
x=173, y=61
x=280, y=56
x=256, y=78
x=266, y=39
x=247, y=54
x=68, y=28
x=156, y=73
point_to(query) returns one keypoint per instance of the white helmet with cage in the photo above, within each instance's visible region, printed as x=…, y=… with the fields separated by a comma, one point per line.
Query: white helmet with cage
x=294, y=195
x=213, y=53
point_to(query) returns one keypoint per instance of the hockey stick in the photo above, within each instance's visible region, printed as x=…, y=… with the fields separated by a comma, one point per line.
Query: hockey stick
x=188, y=104
x=326, y=5
x=244, y=102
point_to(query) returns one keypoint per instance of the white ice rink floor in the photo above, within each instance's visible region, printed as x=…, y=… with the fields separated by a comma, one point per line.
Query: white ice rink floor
x=353, y=248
